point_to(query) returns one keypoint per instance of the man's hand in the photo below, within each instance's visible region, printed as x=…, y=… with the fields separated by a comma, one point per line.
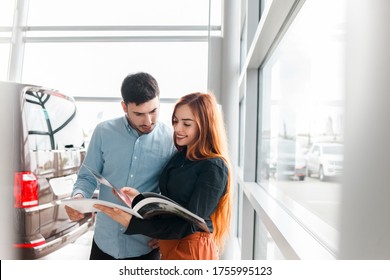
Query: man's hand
x=116, y=214
x=73, y=214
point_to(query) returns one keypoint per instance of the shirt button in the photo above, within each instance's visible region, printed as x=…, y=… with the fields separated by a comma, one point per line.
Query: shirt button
x=131, y=175
x=135, y=157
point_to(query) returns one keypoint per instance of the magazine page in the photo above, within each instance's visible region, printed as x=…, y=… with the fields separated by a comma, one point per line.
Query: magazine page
x=85, y=205
x=123, y=197
x=151, y=206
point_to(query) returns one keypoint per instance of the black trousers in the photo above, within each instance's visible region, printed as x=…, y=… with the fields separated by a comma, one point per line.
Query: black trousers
x=97, y=254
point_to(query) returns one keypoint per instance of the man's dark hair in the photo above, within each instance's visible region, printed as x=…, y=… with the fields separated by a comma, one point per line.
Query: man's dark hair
x=139, y=88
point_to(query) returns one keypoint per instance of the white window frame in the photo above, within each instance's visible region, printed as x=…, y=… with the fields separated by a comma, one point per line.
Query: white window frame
x=298, y=234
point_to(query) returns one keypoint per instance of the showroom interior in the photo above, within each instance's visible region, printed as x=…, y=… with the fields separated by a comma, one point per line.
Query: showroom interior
x=291, y=76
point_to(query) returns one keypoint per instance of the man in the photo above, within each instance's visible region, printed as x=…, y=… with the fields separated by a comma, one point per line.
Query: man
x=127, y=151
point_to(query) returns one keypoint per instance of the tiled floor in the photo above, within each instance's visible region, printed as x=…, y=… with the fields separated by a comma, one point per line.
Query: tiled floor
x=79, y=250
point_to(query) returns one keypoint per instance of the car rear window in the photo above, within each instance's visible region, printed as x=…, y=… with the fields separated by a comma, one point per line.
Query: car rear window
x=51, y=119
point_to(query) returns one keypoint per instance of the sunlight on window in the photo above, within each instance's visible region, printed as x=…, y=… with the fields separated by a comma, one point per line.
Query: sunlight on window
x=303, y=111
x=4, y=57
x=7, y=12
x=98, y=69
x=118, y=12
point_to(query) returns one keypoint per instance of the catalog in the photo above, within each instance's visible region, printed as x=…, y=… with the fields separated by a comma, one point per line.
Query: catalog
x=151, y=205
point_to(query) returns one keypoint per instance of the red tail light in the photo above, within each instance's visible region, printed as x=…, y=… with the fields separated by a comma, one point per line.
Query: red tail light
x=25, y=190
x=33, y=244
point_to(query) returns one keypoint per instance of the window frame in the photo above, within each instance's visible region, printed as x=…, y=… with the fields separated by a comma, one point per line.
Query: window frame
x=297, y=233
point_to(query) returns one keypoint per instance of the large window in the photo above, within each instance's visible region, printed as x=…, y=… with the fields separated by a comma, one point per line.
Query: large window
x=302, y=117
x=92, y=112
x=86, y=48
x=122, y=12
x=97, y=69
x=4, y=56
x=6, y=19
x=6, y=12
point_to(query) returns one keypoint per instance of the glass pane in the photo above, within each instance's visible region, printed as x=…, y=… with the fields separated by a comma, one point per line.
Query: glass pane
x=93, y=112
x=4, y=58
x=303, y=111
x=119, y=12
x=98, y=69
x=216, y=12
x=51, y=121
x=7, y=12
x=265, y=247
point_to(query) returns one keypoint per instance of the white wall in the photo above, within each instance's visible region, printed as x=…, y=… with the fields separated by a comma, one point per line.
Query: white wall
x=9, y=163
x=365, y=218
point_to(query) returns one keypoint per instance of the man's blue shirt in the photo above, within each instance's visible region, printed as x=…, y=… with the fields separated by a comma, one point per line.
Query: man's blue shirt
x=124, y=158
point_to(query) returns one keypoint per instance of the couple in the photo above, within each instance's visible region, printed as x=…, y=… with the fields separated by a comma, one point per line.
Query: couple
x=136, y=150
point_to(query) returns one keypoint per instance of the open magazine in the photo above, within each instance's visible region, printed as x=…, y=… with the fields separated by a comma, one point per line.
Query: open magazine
x=153, y=204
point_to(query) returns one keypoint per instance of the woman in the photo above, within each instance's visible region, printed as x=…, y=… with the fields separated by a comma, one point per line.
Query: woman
x=198, y=178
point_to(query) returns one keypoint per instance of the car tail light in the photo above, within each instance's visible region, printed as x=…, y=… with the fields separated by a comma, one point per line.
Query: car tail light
x=25, y=190
x=33, y=244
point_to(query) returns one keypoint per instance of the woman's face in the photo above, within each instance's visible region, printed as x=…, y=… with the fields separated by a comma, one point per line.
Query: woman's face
x=185, y=128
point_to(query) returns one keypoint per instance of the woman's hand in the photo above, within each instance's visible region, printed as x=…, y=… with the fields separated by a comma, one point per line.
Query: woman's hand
x=130, y=192
x=116, y=214
x=126, y=195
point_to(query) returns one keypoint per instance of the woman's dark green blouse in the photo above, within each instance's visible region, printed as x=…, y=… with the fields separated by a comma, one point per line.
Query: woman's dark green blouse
x=196, y=185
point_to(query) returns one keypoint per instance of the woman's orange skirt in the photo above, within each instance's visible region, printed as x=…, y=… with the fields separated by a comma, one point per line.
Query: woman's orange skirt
x=196, y=246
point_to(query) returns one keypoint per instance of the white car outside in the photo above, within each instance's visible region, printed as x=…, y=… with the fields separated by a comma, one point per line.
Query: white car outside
x=325, y=160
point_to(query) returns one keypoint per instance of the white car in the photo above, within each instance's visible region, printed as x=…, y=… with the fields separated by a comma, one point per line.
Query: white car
x=325, y=160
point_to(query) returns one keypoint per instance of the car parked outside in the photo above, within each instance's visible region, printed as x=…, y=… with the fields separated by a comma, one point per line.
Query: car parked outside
x=288, y=161
x=43, y=162
x=325, y=160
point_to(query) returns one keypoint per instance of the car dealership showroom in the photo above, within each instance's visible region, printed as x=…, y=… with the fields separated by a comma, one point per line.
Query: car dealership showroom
x=302, y=86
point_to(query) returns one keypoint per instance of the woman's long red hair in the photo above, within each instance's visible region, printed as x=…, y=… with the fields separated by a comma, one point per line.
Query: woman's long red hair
x=211, y=143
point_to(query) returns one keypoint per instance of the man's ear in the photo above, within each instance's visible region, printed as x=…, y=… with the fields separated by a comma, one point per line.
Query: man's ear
x=124, y=106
